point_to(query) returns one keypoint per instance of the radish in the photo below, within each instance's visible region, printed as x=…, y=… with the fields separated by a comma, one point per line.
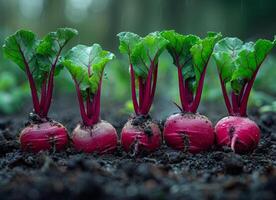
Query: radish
x=86, y=65
x=40, y=60
x=43, y=136
x=141, y=133
x=238, y=64
x=188, y=130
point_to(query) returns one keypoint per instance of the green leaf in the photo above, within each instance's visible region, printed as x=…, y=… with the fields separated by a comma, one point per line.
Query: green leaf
x=190, y=53
x=179, y=46
x=86, y=65
x=237, y=62
x=201, y=53
x=142, y=52
x=49, y=50
x=128, y=41
x=39, y=56
x=20, y=47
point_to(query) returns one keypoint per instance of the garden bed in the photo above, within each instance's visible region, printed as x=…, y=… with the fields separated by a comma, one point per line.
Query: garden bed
x=165, y=174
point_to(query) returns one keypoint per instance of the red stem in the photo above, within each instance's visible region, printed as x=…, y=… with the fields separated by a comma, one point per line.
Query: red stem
x=97, y=110
x=244, y=101
x=147, y=90
x=89, y=104
x=84, y=117
x=93, y=106
x=141, y=91
x=153, y=88
x=43, y=95
x=225, y=95
x=188, y=93
x=181, y=90
x=241, y=95
x=235, y=105
x=133, y=91
x=51, y=85
x=32, y=84
x=198, y=91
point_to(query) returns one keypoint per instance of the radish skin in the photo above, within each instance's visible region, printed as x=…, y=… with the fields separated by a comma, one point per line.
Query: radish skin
x=43, y=136
x=239, y=133
x=100, y=138
x=189, y=132
x=138, y=139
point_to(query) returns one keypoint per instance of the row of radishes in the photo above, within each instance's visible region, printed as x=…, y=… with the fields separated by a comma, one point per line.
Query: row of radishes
x=237, y=63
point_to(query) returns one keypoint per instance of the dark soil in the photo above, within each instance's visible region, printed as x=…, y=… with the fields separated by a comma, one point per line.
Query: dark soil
x=165, y=174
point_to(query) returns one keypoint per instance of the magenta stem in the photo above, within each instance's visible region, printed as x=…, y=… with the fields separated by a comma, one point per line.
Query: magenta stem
x=235, y=105
x=147, y=90
x=97, y=99
x=84, y=116
x=51, y=85
x=188, y=93
x=43, y=95
x=89, y=104
x=133, y=90
x=241, y=95
x=152, y=93
x=141, y=91
x=181, y=90
x=199, y=89
x=32, y=84
x=225, y=96
x=244, y=101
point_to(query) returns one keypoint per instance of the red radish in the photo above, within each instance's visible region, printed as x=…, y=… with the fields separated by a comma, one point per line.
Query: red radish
x=188, y=130
x=44, y=136
x=143, y=56
x=238, y=64
x=100, y=138
x=86, y=65
x=240, y=133
x=191, y=132
x=40, y=60
x=141, y=136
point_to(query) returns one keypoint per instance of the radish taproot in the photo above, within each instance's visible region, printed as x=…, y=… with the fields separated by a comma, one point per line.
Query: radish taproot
x=188, y=130
x=40, y=60
x=238, y=64
x=86, y=65
x=141, y=133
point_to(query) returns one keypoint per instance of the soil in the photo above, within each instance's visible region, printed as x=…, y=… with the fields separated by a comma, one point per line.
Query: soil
x=164, y=174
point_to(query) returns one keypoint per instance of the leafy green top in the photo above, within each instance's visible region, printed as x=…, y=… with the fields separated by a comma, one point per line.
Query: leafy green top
x=190, y=53
x=86, y=65
x=142, y=51
x=238, y=62
x=39, y=56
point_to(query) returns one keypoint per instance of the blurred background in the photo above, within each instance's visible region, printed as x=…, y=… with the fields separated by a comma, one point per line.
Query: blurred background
x=98, y=21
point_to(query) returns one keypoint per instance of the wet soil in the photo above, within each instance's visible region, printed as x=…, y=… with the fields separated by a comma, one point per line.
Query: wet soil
x=164, y=174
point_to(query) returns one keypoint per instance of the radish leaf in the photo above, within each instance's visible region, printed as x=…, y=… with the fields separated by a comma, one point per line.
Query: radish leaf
x=39, y=56
x=238, y=62
x=142, y=52
x=190, y=53
x=86, y=65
